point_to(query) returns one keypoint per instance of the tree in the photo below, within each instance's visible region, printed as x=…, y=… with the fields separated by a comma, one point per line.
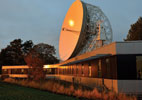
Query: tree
x=47, y=52
x=135, y=33
x=35, y=63
x=39, y=55
x=14, y=53
x=26, y=47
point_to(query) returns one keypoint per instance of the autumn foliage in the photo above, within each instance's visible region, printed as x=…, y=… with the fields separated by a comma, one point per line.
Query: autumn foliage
x=38, y=56
x=35, y=62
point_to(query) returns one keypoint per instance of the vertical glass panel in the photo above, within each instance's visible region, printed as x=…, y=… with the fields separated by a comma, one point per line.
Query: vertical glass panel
x=70, y=70
x=73, y=69
x=99, y=69
x=22, y=71
x=108, y=67
x=4, y=71
x=139, y=66
x=77, y=69
x=90, y=72
x=82, y=70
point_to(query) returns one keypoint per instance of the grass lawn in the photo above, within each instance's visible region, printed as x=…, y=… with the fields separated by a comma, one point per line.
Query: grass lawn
x=14, y=92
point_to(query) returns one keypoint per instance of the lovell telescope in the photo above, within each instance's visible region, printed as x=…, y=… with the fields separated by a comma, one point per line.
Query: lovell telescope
x=88, y=55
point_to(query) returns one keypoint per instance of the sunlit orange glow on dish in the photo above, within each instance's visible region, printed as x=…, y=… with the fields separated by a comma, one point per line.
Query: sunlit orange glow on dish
x=71, y=23
x=69, y=39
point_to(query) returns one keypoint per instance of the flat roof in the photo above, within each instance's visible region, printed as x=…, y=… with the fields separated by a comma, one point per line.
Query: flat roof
x=87, y=59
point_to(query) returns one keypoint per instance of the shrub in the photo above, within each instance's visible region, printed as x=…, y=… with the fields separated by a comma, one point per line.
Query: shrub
x=78, y=93
x=59, y=87
x=9, y=80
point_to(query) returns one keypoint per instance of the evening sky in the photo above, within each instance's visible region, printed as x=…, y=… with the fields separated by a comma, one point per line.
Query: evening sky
x=41, y=20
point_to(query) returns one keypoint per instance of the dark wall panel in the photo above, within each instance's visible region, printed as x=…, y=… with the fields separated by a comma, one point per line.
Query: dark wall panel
x=94, y=68
x=86, y=69
x=109, y=70
x=126, y=68
x=113, y=67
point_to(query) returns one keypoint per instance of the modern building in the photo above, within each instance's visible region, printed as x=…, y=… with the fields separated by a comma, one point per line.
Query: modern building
x=117, y=66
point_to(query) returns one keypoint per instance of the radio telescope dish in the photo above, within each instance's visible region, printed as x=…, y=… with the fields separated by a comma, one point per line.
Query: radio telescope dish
x=85, y=28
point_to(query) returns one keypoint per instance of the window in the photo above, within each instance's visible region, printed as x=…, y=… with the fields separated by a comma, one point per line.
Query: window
x=4, y=71
x=90, y=72
x=63, y=71
x=139, y=66
x=108, y=67
x=76, y=69
x=60, y=70
x=72, y=69
x=99, y=68
x=22, y=71
x=82, y=70
x=68, y=69
x=48, y=71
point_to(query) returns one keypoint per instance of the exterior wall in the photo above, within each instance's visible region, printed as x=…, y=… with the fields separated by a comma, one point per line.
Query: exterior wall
x=130, y=86
x=83, y=69
x=120, y=77
x=121, y=67
x=130, y=47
